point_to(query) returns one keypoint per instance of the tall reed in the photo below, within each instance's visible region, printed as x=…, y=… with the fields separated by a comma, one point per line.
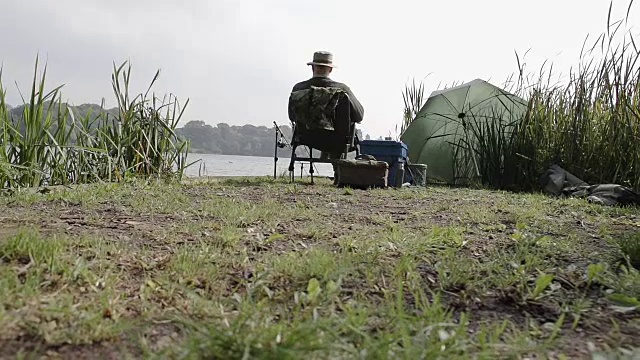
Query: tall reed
x=483, y=154
x=48, y=145
x=589, y=124
x=413, y=97
x=141, y=140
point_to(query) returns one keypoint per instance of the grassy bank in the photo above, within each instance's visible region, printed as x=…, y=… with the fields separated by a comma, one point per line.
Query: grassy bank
x=263, y=269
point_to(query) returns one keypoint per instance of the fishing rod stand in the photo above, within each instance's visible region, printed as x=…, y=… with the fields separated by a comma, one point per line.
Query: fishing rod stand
x=281, y=143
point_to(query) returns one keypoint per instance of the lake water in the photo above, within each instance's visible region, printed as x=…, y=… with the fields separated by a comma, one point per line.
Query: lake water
x=235, y=165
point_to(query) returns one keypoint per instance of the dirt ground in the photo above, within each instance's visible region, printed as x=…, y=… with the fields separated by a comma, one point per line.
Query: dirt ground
x=134, y=258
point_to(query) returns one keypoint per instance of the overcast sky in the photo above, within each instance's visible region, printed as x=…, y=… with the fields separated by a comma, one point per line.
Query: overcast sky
x=238, y=59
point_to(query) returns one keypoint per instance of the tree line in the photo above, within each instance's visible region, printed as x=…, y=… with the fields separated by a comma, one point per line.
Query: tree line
x=249, y=140
x=222, y=138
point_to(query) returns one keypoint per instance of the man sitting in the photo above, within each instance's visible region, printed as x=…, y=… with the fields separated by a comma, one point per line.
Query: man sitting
x=322, y=66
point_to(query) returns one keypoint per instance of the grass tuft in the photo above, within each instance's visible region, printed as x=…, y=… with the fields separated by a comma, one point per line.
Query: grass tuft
x=630, y=246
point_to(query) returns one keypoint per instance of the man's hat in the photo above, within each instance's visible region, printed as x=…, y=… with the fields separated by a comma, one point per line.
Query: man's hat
x=322, y=58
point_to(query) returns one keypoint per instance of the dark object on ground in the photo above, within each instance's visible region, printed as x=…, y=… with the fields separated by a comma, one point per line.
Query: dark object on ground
x=361, y=174
x=557, y=181
x=605, y=194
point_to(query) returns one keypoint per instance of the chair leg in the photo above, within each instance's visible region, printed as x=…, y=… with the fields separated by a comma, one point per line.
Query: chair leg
x=311, y=170
x=292, y=172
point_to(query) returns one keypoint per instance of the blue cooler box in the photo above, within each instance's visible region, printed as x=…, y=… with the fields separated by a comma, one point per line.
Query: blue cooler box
x=391, y=152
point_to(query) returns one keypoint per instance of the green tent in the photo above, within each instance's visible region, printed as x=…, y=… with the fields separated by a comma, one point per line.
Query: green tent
x=442, y=126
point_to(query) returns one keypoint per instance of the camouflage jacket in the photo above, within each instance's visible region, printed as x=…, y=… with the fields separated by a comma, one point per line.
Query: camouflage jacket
x=356, y=109
x=314, y=108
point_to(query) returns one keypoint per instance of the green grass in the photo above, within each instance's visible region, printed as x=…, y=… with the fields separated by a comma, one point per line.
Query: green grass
x=630, y=246
x=230, y=269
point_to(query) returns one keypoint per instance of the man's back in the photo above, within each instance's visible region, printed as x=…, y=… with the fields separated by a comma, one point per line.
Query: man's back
x=357, y=111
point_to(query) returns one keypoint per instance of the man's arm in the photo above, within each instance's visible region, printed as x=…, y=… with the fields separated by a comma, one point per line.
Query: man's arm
x=292, y=115
x=357, y=110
